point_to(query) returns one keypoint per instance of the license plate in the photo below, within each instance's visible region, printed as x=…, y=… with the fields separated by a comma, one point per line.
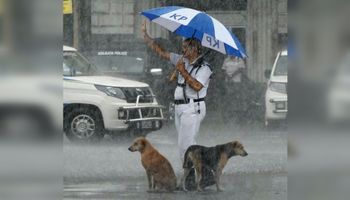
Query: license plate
x=280, y=105
x=147, y=124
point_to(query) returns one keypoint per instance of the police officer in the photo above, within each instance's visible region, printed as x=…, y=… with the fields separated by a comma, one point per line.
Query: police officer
x=192, y=85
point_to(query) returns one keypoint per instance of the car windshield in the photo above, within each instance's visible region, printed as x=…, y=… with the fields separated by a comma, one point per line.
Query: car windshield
x=119, y=63
x=281, y=66
x=76, y=65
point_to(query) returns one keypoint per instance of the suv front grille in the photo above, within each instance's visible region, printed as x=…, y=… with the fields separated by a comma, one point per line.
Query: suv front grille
x=134, y=113
x=132, y=93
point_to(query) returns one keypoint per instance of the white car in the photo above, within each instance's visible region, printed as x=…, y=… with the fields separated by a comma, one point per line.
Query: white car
x=276, y=98
x=94, y=105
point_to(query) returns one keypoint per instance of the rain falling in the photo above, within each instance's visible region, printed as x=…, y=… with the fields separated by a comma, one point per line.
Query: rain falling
x=174, y=99
x=129, y=52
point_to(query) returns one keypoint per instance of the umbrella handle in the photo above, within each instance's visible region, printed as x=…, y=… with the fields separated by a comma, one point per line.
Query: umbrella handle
x=173, y=76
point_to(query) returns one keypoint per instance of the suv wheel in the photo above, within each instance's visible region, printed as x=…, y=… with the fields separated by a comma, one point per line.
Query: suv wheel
x=84, y=125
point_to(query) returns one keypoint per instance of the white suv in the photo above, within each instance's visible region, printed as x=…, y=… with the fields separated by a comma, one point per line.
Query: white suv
x=276, y=99
x=94, y=104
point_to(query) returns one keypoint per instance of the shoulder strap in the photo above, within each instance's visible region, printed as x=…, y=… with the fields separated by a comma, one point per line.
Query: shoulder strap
x=204, y=64
x=192, y=70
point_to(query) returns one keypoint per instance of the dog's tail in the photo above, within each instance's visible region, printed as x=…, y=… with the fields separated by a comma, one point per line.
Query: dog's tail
x=187, y=159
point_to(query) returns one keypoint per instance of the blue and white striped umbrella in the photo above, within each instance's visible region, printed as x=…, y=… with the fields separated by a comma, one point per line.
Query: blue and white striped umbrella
x=191, y=23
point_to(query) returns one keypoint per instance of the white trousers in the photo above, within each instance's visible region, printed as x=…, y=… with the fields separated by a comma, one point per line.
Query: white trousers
x=187, y=122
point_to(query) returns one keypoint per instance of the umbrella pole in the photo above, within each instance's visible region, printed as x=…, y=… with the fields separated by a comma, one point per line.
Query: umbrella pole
x=173, y=76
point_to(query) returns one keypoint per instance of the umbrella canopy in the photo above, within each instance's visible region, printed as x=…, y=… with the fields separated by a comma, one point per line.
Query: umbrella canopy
x=191, y=23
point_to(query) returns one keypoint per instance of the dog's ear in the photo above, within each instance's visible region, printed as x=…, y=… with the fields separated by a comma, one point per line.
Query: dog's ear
x=143, y=142
x=235, y=144
x=228, y=147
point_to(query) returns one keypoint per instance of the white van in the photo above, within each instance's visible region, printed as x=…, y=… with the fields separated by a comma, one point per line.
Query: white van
x=276, y=98
x=95, y=105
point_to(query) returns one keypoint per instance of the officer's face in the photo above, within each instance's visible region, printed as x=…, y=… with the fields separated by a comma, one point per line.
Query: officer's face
x=186, y=49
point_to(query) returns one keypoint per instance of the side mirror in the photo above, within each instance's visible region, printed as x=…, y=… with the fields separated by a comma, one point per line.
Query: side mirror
x=156, y=71
x=267, y=73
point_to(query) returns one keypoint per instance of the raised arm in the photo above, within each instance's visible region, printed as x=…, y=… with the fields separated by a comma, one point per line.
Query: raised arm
x=154, y=46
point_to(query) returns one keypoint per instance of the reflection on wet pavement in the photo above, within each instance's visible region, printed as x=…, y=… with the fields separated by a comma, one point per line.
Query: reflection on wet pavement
x=243, y=186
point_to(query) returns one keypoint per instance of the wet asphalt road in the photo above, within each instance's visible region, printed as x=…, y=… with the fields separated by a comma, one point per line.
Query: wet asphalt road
x=243, y=186
x=109, y=171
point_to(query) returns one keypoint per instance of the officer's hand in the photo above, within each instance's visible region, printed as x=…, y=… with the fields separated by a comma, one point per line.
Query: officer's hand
x=146, y=37
x=180, y=65
x=143, y=27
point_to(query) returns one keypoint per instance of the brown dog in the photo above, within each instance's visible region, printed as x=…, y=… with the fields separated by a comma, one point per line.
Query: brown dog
x=160, y=174
x=212, y=158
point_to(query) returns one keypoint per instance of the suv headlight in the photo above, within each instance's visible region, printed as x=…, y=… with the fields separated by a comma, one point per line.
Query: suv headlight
x=111, y=91
x=278, y=87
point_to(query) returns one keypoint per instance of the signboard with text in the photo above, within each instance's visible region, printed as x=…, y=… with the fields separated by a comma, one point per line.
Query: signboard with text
x=67, y=7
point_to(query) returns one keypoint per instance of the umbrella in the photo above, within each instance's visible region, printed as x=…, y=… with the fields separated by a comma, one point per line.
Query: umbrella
x=191, y=23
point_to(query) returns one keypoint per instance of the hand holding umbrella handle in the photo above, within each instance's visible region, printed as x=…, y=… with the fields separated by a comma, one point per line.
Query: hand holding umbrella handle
x=180, y=66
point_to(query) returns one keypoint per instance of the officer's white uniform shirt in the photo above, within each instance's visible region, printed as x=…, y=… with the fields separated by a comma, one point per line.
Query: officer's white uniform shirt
x=202, y=75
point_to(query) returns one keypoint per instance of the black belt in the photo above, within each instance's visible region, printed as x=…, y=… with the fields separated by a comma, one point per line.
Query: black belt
x=181, y=101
